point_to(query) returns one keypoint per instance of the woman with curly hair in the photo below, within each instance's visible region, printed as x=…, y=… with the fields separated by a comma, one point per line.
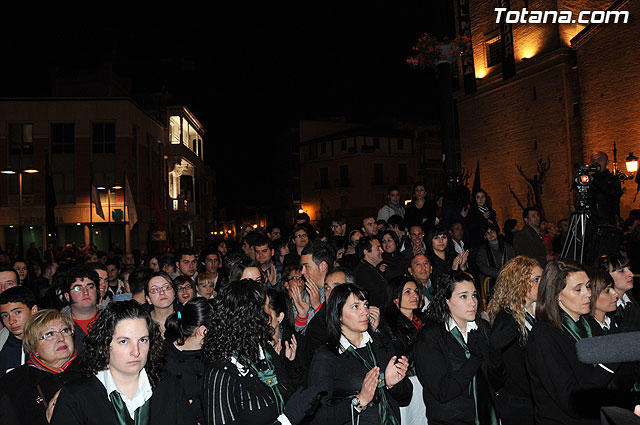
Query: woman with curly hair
x=452, y=356
x=565, y=391
x=246, y=381
x=512, y=315
x=125, y=379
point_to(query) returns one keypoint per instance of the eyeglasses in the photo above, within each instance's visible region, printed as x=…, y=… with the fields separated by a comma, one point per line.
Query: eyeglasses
x=301, y=236
x=50, y=335
x=80, y=288
x=294, y=278
x=183, y=288
x=165, y=288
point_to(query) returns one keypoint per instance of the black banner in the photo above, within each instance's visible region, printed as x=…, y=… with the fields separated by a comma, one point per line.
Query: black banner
x=506, y=42
x=464, y=30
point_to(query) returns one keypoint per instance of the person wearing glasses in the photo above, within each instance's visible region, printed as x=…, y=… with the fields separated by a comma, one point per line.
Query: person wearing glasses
x=17, y=304
x=185, y=289
x=81, y=294
x=160, y=292
x=26, y=392
x=299, y=239
x=124, y=376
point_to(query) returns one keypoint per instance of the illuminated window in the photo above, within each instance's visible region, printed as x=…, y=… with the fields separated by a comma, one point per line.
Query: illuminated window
x=174, y=130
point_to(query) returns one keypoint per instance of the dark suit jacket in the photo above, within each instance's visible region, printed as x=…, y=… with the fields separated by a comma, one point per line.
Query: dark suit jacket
x=369, y=278
x=85, y=402
x=528, y=242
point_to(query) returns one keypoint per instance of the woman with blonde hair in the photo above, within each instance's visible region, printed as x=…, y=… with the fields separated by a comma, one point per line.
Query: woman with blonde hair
x=512, y=315
x=29, y=392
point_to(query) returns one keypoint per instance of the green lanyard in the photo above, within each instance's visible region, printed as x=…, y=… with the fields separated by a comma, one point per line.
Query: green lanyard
x=269, y=378
x=385, y=412
x=482, y=402
x=142, y=413
x=574, y=330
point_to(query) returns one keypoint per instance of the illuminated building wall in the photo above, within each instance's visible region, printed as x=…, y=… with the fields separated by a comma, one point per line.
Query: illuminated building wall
x=538, y=113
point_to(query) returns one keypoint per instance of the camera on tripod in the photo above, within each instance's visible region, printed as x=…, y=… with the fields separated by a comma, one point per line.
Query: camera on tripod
x=583, y=179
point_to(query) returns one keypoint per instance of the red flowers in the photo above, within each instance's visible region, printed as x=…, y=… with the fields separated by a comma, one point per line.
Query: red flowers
x=429, y=50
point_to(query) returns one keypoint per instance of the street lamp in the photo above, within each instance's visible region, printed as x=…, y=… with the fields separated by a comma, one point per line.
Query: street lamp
x=109, y=189
x=11, y=171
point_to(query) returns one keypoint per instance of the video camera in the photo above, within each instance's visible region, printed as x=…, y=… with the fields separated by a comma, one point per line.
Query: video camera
x=583, y=179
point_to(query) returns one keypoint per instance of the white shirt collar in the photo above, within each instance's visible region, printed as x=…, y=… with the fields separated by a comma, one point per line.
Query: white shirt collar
x=471, y=326
x=345, y=343
x=606, y=324
x=623, y=302
x=244, y=370
x=143, y=393
x=459, y=246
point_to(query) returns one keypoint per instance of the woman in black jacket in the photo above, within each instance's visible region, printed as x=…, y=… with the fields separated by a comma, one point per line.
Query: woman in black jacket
x=512, y=315
x=564, y=390
x=28, y=393
x=441, y=253
x=125, y=378
x=479, y=217
x=393, y=262
x=350, y=367
x=183, y=345
x=403, y=318
x=452, y=356
x=246, y=382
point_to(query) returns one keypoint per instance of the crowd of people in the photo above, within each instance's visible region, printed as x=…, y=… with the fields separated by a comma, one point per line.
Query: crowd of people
x=383, y=321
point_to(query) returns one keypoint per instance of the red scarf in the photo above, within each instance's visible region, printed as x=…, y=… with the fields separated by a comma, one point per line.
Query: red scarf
x=40, y=365
x=416, y=322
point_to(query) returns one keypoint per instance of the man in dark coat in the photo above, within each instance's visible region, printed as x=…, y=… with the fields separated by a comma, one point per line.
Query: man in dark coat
x=367, y=275
x=528, y=241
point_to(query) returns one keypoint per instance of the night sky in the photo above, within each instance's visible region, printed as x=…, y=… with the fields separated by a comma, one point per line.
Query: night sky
x=248, y=72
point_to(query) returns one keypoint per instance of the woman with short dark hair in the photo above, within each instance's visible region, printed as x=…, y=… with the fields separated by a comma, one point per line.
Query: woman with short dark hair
x=363, y=376
x=125, y=378
x=562, y=386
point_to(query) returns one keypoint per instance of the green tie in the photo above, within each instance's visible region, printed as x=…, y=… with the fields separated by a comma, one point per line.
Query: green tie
x=142, y=413
x=479, y=389
x=385, y=412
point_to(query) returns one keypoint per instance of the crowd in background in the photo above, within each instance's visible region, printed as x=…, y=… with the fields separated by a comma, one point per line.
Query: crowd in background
x=425, y=312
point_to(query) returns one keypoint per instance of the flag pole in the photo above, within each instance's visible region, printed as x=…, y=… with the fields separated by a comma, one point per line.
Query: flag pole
x=90, y=204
